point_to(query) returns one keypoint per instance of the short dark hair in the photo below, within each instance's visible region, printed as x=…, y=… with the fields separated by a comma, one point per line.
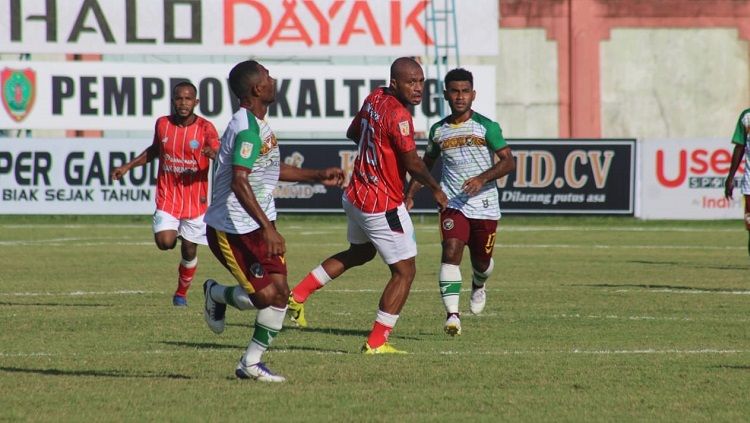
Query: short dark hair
x=184, y=84
x=240, y=76
x=458, y=74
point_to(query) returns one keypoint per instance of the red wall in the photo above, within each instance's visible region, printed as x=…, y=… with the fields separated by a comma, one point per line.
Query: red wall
x=579, y=26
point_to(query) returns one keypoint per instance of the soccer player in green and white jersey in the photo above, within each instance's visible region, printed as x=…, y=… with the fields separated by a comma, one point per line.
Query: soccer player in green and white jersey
x=740, y=155
x=474, y=155
x=241, y=220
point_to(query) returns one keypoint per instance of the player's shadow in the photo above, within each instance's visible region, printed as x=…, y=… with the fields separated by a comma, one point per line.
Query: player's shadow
x=95, y=373
x=358, y=333
x=660, y=287
x=6, y=303
x=328, y=331
x=213, y=346
x=203, y=345
x=732, y=367
x=313, y=349
x=687, y=265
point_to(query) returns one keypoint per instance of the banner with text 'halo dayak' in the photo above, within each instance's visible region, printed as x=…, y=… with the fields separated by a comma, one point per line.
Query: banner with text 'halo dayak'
x=264, y=28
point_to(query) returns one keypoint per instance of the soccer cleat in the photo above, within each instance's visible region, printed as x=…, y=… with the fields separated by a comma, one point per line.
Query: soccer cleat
x=213, y=312
x=383, y=349
x=179, y=301
x=257, y=371
x=478, y=299
x=296, y=312
x=453, y=325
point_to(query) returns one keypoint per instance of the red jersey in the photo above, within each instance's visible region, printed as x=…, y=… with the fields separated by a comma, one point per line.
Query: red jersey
x=182, y=183
x=385, y=130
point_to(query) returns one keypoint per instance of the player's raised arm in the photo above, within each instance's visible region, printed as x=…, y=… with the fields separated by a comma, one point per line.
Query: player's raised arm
x=332, y=176
x=146, y=156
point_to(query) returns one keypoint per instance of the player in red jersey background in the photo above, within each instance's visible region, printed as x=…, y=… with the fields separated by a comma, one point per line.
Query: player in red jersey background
x=374, y=201
x=184, y=142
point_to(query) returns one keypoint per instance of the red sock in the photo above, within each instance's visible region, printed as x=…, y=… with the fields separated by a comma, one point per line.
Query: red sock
x=185, y=279
x=307, y=286
x=379, y=335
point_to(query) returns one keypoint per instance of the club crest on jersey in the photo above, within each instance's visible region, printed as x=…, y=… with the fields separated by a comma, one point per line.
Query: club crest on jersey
x=164, y=140
x=19, y=89
x=404, y=127
x=246, y=150
x=448, y=224
x=257, y=270
x=194, y=144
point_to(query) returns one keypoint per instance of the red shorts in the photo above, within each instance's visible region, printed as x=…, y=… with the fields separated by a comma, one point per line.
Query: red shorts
x=244, y=255
x=478, y=234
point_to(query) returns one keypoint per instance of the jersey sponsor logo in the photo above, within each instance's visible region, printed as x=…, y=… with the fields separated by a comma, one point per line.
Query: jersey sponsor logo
x=461, y=141
x=404, y=128
x=268, y=144
x=448, y=224
x=257, y=270
x=194, y=144
x=18, y=89
x=246, y=150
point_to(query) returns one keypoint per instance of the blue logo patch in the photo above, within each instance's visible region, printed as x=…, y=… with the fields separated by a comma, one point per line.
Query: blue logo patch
x=194, y=144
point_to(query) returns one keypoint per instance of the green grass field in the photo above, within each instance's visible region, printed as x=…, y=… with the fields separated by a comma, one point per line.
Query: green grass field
x=588, y=319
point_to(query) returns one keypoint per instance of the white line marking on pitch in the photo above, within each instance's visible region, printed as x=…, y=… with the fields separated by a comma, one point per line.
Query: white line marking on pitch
x=685, y=291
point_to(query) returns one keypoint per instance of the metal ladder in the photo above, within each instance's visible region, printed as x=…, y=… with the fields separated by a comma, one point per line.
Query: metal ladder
x=440, y=17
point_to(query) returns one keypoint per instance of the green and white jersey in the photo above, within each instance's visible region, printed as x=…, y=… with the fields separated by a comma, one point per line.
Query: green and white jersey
x=467, y=149
x=742, y=137
x=247, y=142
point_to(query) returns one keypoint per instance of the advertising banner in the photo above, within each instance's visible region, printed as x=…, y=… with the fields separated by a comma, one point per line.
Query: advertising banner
x=71, y=176
x=684, y=179
x=570, y=176
x=113, y=96
x=261, y=28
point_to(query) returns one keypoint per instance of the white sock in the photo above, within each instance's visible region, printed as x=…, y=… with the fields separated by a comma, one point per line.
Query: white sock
x=320, y=275
x=267, y=325
x=189, y=264
x=450, y=286
x=479, y=278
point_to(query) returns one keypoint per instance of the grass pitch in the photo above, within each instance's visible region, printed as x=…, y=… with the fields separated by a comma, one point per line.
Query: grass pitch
x=588, y=319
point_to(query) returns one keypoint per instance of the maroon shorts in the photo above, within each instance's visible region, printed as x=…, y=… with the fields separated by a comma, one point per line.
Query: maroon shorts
x=478, y=234
x=747, y=212
x=244, y=255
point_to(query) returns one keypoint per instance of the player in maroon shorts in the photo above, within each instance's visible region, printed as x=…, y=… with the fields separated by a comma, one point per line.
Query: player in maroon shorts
x=184, y=142
x=474, y=155
x=373, y=201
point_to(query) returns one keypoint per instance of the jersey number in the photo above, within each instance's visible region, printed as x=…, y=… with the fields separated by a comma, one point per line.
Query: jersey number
x=366, y=146
x=490, y=243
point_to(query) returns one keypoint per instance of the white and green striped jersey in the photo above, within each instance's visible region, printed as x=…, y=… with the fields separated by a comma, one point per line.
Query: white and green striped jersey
x=742, y=137
x=247, y=142
x=467, y=149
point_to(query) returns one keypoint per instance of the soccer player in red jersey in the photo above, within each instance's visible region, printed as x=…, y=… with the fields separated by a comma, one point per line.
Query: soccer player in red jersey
x=184, y=142
x=374, y=201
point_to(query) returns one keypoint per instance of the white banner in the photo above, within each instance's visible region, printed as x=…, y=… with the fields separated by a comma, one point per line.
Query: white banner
x=71, y=176
x=117, y=96
x=266, y=28
x=684, y=179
